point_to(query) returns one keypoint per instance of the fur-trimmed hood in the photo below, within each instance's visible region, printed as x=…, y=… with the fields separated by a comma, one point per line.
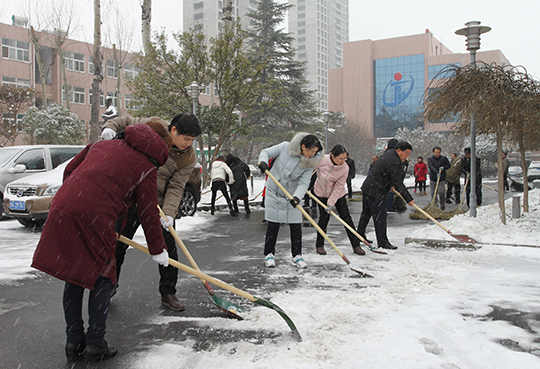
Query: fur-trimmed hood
x=295, y=150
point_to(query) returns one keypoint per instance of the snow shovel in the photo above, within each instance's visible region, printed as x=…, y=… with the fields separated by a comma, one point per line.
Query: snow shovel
x=346, y=225
x=362, y=274
x=225, y=286
x=225, y=305
x=459, y=237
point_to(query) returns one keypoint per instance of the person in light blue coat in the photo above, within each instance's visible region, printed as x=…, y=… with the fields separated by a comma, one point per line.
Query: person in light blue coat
x=292, y=165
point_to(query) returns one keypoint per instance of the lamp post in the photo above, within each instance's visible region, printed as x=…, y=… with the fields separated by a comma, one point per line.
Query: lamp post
x=472, y=32
x=193, y=89
x=326, y=117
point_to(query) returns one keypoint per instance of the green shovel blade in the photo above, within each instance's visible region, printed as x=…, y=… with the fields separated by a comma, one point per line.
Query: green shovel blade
x=268, y=304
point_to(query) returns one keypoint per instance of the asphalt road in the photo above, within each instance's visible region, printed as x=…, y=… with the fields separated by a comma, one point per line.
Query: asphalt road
x=31, y=320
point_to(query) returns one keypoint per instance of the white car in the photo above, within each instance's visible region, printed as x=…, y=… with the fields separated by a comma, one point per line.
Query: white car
x=534, y=171
x=515, y=171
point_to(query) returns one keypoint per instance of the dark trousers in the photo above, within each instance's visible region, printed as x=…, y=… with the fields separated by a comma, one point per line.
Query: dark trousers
x=349, y=187
x=343, y=211
x=421, y=185
x=220, y=185
x=390, y=201
x=246, y=206
x=168, y=275
x=457, y=190
x=271, y=238
x=478, y=192
x=374, y=207
x=505, y=181
x=98, y=308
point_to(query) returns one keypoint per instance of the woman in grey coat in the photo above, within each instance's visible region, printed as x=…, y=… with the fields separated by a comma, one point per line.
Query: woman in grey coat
x=292, y=166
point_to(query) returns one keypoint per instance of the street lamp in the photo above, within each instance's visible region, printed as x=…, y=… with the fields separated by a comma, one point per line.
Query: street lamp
x=193, y=89
x=326, y=117
x=472, y=33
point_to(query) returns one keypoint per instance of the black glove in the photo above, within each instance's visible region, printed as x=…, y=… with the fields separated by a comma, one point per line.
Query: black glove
x=263, y=166
x=295, y=201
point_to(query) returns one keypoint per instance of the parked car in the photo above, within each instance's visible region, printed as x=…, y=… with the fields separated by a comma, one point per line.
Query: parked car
x=534, y=171
x=29, y=199
x=21, y=161
x=515, y=171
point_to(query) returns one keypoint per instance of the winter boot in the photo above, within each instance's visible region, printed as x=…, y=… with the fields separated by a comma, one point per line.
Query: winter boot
x=246, y=206
x=75, y=350
x=235, y=206
x=320, y=250
x=358, y=250
x=99, y=353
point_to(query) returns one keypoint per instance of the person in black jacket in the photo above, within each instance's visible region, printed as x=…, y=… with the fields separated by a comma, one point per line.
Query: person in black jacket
x=386, y=174
x=238, y=187
x=352, y=174
x=437, y=166
x=466, y=169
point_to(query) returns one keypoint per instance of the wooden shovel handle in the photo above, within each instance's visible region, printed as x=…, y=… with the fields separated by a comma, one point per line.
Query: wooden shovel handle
x=192, y=271
x=322, y=233
x=423, y=212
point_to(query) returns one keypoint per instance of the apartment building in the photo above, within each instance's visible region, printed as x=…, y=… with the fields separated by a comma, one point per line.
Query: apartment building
x=19, y=67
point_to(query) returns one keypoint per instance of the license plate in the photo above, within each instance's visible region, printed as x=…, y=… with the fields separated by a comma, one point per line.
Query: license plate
x=17, y=205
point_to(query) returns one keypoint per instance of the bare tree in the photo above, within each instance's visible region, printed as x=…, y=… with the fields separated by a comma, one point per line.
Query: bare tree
x=119, y=34
x=98, y=74
x=13, y=100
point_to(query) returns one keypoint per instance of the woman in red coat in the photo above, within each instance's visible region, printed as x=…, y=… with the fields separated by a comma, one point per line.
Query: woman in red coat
x=78, y=241
x=420, y=176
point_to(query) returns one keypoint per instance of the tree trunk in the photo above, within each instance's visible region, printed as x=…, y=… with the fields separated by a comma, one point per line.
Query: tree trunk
x=146, y=20
x=35, y=41
x=98, y=77
x=118, y=82
x=227, y=14
x=64, y=77
x=524, y=168
x=500, y=174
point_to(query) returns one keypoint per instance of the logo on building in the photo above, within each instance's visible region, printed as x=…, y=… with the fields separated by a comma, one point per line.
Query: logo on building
x=398, y=89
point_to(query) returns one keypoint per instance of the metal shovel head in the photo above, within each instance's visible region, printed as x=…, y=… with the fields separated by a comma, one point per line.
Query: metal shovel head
x=463, y=238
x=362, y=274
x=268, y=304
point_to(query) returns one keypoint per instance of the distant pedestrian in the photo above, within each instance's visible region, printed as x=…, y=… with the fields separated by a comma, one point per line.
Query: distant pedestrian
x=420, y=176
x=330, y=189
x=292, y=166
x=387, y=174
x=351, y=175
x=438, y=165
x=239, y=189
x=373, y=161
x=220, y=172
x=506, y=165
x=453, y=176
x=466, y=170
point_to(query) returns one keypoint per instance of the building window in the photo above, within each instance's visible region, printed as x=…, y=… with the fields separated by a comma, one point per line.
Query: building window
x=198, y=16
x=76, y=94
x=197, y=6
x=301, y=15
x=301, y=39
x=434, y=71
x=301, y=47
x=131, y=103
x=16, y=50
x=112, y=72
x=131, y=71
x=302, y=56
x=302, y=31
x=101, y=98
x=301, y=8
x=19, y=82
x=301, y=24
x=114, y=99
x=74, y=61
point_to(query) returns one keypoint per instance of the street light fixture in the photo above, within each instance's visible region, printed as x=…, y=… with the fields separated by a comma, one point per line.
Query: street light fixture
x=326, y=117
x=472, y=33
x=193, y=89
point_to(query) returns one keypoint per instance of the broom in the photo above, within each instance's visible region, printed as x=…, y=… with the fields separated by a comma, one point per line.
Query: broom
x=432, y=209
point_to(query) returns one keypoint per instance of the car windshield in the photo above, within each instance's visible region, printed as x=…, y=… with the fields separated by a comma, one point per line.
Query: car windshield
x=7, y=153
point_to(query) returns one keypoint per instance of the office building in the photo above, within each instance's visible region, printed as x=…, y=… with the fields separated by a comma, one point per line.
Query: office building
x=382, y=83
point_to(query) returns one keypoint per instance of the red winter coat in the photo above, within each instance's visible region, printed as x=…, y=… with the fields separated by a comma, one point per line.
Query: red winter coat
x=420, y=171
x=78, y=241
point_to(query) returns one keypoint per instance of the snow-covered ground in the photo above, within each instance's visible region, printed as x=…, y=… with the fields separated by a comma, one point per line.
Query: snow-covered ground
x=424, y=308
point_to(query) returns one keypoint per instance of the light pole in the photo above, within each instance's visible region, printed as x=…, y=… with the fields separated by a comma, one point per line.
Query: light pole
x=326, y=117
x=472, y=33
x=193, y=90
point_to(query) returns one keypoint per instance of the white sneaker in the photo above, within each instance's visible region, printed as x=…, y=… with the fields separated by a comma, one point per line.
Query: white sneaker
x=270, y=261
x=299, y=262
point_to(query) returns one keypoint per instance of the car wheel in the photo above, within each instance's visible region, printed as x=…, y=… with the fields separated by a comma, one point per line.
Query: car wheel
x=188, y=204
x=31, y=223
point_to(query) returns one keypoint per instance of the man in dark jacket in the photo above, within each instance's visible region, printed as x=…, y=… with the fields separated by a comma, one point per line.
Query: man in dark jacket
x=386, y=174
x=466, y=170
x=438, y=165
x=352, y=174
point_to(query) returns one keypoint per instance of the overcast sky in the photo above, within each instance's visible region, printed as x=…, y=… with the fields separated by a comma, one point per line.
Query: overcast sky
x=515, y=27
